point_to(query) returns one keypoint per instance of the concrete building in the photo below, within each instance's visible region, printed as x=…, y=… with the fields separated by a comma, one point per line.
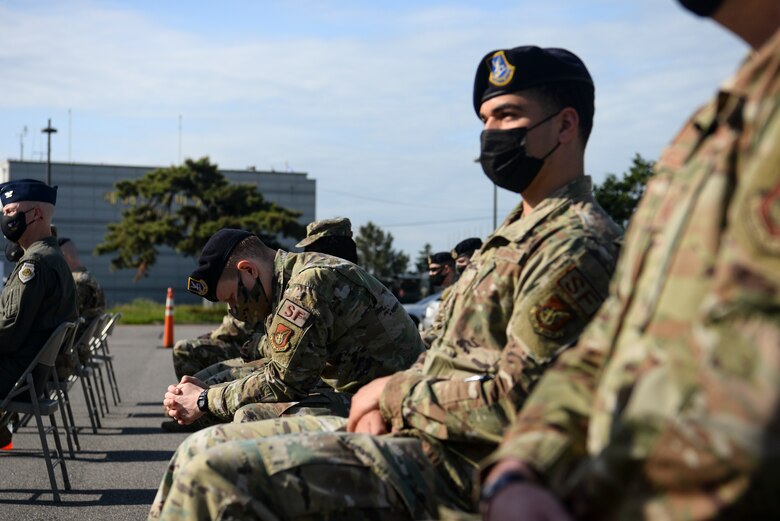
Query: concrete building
x=84, y=210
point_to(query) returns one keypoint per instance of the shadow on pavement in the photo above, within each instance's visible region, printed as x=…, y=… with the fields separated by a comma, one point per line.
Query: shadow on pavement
x=105, y=497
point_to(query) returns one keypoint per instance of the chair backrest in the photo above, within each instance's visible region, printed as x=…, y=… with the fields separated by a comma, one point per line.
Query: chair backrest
x=108, y=328
x=42, y=364
x=90, y=331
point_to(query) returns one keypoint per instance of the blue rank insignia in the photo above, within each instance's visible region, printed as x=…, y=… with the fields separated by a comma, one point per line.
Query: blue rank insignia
x=501, y=71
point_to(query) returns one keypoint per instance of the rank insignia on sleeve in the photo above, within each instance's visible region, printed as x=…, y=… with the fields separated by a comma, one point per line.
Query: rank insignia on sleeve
x=550, y=318
x=501, y=71
x=27, y=272
x=294, y=313
x=281, y=337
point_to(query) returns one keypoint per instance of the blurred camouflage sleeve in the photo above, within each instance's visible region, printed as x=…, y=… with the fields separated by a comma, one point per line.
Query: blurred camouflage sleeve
x=559, y=293
x=707, y=415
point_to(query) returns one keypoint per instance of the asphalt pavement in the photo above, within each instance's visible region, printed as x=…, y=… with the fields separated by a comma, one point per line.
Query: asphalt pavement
x=116, y=474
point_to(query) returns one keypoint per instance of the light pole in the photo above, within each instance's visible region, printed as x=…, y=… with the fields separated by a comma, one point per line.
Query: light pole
x=49, y=130
x=21, y=143
x=495, y=206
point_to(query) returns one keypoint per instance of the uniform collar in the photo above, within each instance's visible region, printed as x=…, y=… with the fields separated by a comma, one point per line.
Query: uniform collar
x=516, y=226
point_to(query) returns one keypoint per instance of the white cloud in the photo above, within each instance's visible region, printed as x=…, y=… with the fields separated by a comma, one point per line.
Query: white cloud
x=381, y=108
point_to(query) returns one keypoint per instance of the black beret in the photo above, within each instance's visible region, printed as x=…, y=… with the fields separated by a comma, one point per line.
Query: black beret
x=510, y=70
x=212, y=260
x=442, y=257
x=27, y=190
x=466, y=246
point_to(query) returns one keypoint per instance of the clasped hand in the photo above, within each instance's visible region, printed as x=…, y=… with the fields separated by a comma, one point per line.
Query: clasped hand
x=181, y=400
x=364, y=414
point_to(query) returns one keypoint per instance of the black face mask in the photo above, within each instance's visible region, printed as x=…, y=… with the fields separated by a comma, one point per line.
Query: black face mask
x=13, y=226
x=438, y=278
x=701, y=7
x=252, y=305
x=504, y=159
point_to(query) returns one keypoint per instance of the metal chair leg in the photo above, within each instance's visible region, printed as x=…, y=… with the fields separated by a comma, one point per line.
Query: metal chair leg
x=90, y=407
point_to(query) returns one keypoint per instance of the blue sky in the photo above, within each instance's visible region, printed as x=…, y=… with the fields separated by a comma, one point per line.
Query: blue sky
x=372, y=99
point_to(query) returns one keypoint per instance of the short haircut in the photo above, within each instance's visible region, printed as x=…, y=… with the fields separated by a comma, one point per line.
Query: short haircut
x=575, y=94
x=250, y=248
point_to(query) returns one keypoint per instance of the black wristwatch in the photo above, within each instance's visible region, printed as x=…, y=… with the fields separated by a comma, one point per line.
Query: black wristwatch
x=203, y=401
x=503, y=481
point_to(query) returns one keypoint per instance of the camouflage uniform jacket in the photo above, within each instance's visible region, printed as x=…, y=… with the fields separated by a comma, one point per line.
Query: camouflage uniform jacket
x=332, y=321
x=524, y=297
x=38, y=297
x=91, y=300
x=670, y=400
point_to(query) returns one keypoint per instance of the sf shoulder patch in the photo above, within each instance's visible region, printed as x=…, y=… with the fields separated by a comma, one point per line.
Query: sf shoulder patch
x=294, y=313
x=549, y=318
x=281, y=336
x=27, y=272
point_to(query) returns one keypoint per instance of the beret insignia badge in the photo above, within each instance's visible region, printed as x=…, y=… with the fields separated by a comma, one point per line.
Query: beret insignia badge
x=197, y=286
x=501, y=71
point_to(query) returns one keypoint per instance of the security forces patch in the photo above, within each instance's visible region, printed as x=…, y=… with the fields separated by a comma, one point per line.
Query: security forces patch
x=501, y=71
x=765, y=219
x=27, y=272
x=580, y=291
x=280, y=338
x=291, y=311
x=197, y=286
x=550, y=318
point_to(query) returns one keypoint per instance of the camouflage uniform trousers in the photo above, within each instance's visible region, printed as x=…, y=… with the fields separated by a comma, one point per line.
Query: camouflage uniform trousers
x=300, y=420
x=193, y=355
x=248, y=471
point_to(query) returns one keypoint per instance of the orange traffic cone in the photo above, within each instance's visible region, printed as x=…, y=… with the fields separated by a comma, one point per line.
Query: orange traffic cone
x=168, y=333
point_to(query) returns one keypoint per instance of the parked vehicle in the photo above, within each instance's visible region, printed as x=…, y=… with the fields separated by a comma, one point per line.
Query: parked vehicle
x=418, y=310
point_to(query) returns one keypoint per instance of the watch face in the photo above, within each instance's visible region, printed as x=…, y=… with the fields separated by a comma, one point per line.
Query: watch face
x=203, y=400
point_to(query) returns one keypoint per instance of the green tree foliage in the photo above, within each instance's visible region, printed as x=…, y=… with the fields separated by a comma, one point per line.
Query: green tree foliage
x=376, y=253
x=181, y=207
x=422, y=258
x=619, y=197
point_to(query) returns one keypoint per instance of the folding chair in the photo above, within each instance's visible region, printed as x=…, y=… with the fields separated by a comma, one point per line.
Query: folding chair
x=85, y=373
x=102, y=354
x=63, y=386
x=41, y=370
x=96, y=362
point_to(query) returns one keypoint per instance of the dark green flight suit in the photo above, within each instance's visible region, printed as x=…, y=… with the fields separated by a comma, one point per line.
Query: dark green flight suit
x=38, y=297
